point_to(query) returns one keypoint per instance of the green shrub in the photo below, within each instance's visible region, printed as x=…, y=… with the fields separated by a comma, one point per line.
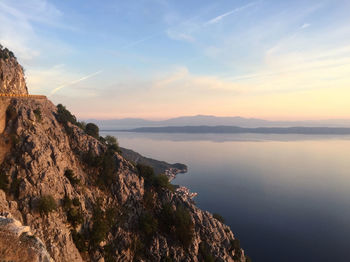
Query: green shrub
x=37, y=113
x=64, y=116
x=14, y=187
x=11, y=113
x=46, y=204
x=110, y=216
x=167, y=218
x=92, y=130
x=79, y=241
x=162, y=181
x=235, y=244
x=5, y=53
x=219, y=217
x=148, y=224
x=15, y=140
x=148, y=200
x=204, y=252
x=177, y=223
x=184, y=226
x=75, y=217
x=82, y=125
x=100, y=226
x=76, y=202
x=112, y=143
x=106, y=163
x=93, y=160
x=71, y=177
x=109, y=169
x=98, y=232
x=4, y=182
x=146, y=172
x=73, y=211
x=152, y=180
x=66, y=203
x=167, y=259
x=109, y=253
x=138, y=248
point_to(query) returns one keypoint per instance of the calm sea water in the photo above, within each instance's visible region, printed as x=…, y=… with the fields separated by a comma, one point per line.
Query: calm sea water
x=287, y=198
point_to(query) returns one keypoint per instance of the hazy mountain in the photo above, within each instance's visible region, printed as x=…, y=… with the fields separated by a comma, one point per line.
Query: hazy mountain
x=199, y=120
x=237, y=130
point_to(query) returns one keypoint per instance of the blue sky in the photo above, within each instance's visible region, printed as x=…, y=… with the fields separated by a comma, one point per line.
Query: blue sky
x=162, y=58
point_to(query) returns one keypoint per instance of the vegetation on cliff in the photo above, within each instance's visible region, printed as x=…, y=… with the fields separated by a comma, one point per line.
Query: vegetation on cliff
x=5, y=53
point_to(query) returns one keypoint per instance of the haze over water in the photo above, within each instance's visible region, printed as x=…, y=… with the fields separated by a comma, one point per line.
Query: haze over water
x=285, y=197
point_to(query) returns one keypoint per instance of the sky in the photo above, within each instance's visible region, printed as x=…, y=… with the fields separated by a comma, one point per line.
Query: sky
x=155, y=59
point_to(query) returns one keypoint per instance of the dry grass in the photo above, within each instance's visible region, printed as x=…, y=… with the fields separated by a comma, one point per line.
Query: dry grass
x=14, y=250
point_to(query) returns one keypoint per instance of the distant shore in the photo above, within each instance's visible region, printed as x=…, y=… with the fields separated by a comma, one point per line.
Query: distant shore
x=239, y=130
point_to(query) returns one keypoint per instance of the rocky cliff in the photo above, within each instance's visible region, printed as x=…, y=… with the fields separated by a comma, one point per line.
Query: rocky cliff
x=87, y=203
x=12, y=79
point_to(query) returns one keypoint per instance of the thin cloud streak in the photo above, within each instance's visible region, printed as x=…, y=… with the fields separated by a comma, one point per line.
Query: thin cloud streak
x=75, y=82
x=236, y=10
x=137, y=42
x=185, y=36
x=304, y=26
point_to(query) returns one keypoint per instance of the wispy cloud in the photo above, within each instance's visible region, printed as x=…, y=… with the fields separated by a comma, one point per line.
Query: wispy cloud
x=141, y=40
x=40, y=11
x=186, y=30
x=304, y=26
x=182, y=78
x=19, y=22
x=236, y=10
x=180, y=36
x=183, y=30
x=75, y=82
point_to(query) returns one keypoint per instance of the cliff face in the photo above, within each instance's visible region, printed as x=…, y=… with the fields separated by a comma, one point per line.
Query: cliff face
x=86, y=202
x=12, y=79
x=42, y=149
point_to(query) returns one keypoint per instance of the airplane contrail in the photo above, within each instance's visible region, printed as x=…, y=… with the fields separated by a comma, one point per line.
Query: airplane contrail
x=220, y=17
x=75, y=82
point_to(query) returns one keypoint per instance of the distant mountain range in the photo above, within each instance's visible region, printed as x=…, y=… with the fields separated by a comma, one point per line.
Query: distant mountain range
x=206, y=120
x=237, y=130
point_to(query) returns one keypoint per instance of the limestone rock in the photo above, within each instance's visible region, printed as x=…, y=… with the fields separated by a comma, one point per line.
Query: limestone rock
x=12, y=79
x=18, y=244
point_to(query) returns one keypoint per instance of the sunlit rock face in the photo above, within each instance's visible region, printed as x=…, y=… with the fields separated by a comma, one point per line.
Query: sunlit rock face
x=12, y=79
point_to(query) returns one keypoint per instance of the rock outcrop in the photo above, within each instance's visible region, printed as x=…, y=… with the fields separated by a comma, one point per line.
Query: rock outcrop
x=86, y=202
x=17, y=242
x=12, y=79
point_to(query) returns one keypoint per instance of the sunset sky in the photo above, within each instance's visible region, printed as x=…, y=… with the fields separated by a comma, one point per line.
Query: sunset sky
x=156, y=59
